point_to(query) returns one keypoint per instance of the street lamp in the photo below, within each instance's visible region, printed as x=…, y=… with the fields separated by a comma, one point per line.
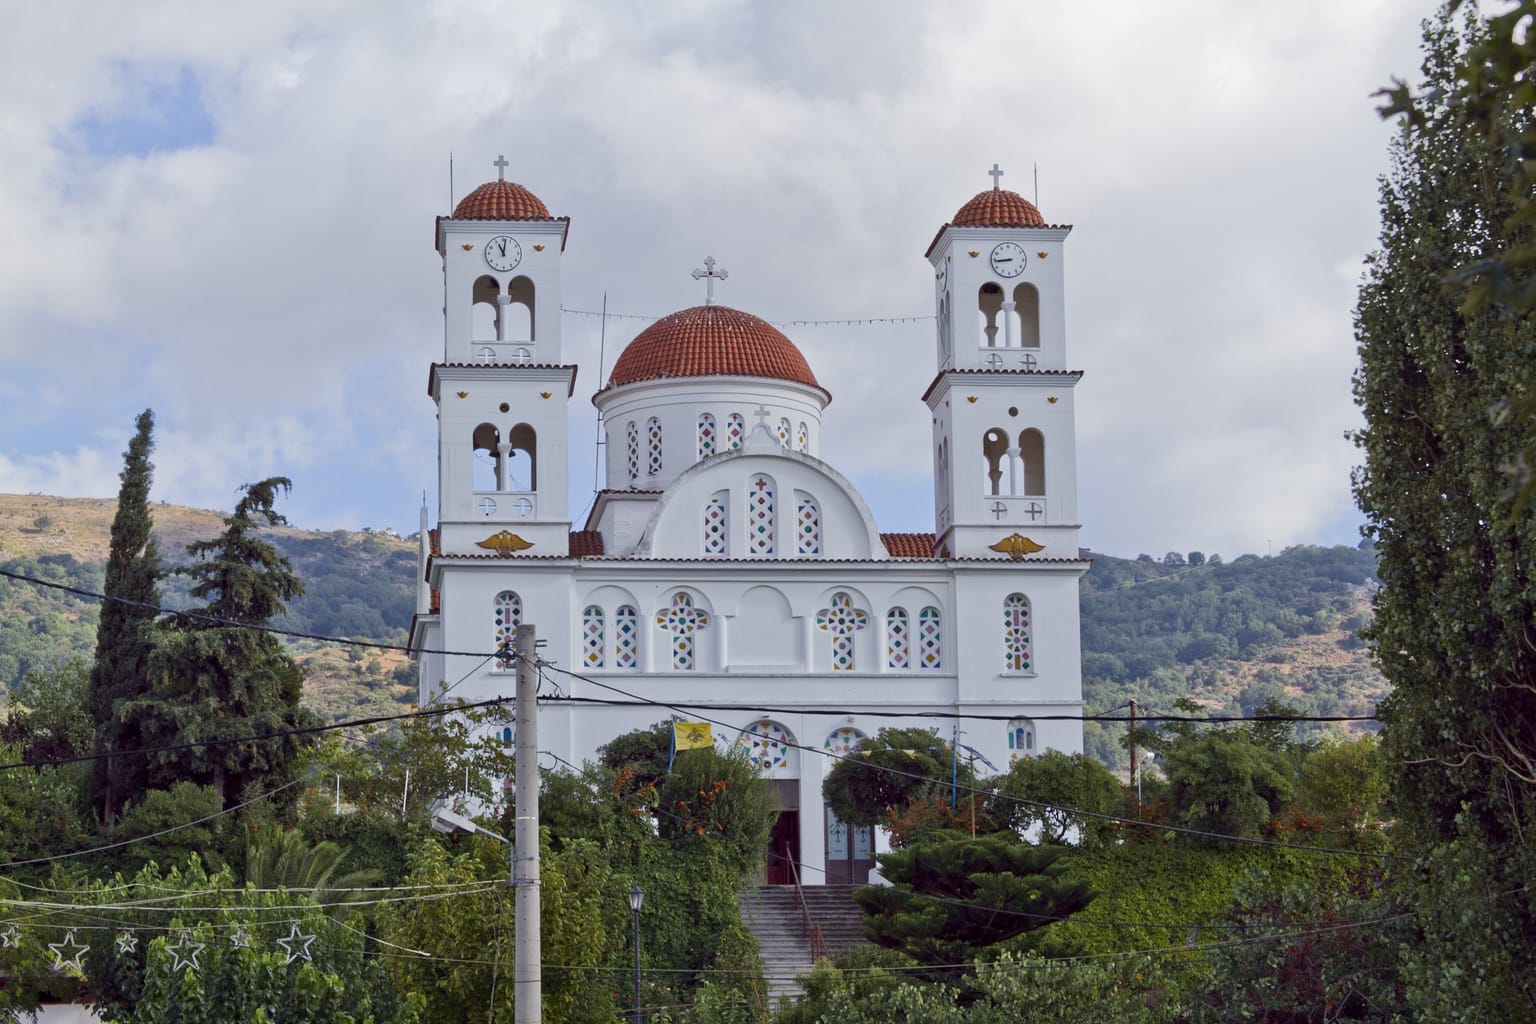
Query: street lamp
x=636, y=898
x=446, y=820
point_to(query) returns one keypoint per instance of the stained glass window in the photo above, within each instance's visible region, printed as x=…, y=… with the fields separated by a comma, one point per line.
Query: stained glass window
x=1016, y=646
x=760, y=516
x=807, y=524
x=898, y=639
x=653, y=435
x=784, y=433
x=682, y=620
x=802, y=437
x=844, y=741
x=626, y=637
x=716, y=539
x=929, y=638
x=632, y=433
x=592, y=636
x=842, y=620
x=508, y=614
x=770, y=745
x=1021, y=738
x=735, y=430
x=706, y=435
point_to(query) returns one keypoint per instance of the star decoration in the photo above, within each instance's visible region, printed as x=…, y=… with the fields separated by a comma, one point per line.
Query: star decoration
x=297, y=944
x=127, y=942
x=185, y=950
x=240, y=938
x=10, y=938
x=69, y=953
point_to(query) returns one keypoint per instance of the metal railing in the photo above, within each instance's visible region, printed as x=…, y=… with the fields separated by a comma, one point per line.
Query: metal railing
x=808, y=927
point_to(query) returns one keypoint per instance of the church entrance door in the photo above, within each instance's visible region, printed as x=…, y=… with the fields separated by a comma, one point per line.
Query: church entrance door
x=783, y=848
x=850, y=852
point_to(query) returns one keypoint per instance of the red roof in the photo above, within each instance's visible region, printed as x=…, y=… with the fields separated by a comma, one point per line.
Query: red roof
x=909, y=545
x=585, y=543
x=996, y=208
x=711, y=341
x=501, y=200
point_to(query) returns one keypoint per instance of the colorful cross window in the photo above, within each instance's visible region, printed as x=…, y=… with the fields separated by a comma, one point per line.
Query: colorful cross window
x=842, y=620
x=1016, y=652
x=682, y=620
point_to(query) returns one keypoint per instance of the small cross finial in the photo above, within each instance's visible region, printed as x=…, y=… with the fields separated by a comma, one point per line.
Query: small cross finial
x=997, y=173
x=762, y=414
x=501, y=165
x=710, y=276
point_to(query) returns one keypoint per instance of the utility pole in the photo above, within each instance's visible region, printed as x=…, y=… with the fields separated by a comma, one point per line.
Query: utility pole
x=528, y=1000
x=1135, y=760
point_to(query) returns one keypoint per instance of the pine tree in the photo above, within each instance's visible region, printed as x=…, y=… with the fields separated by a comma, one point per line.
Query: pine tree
x=1455, y=628
x=214, y=679
x=125, y=636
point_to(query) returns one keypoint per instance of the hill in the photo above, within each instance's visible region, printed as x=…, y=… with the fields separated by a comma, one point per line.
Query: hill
x=1231, y=636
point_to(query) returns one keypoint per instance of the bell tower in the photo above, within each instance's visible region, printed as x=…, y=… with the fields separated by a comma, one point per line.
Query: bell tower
x=501, y=391
x=1005, y=462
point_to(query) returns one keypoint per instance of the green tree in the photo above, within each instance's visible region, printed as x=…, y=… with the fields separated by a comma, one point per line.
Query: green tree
x=125, y=635
x=1044, y=792
x=46, y=713
x=951, y=898
x=1454, y=618
x=226, y=696
x=887, y=772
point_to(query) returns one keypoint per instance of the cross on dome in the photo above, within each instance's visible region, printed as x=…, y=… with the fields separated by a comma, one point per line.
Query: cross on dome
x=501, y=165
x=997, y=173
x=762, y=414
x=710, y=276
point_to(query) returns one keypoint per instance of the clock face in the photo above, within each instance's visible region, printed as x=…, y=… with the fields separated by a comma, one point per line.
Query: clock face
x=1008, y=259
x=503, y=252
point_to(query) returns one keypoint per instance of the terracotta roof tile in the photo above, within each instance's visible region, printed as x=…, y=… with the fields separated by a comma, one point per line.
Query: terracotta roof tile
x=501, y=200
x=908, y=545
x=586, y=543
x=997, y=208
x=435, y=546
x=711, y=341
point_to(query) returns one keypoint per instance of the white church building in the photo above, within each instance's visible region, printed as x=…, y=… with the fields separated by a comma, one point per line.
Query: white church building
x=725, y=563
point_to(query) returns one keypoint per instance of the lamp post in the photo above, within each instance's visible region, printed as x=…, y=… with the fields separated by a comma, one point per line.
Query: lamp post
x=446, y=820
x=636, y=898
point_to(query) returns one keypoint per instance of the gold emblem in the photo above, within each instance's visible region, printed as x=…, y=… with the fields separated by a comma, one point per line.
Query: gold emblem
x=504, y=543
x=1051, y=399
x=544, y=394
x=468, y=246
x=463, y=394
x=974, y=253
x=1042, y=255
x=538, y=248
x=971, y=399
x=1016, y=546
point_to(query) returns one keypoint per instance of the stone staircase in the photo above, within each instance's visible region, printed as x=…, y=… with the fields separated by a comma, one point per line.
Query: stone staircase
x=772, y=913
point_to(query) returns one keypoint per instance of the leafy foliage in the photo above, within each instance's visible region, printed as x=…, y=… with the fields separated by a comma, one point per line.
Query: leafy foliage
x=889, y=770
x=1040, y=793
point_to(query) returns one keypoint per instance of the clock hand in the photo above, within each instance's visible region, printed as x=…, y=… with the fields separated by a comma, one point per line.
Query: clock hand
x=503, y=248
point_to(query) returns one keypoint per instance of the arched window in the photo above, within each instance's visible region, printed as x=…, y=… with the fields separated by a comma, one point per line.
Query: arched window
x=507, y=736
x=706, y=435
x=929, y=639
x=989, y=309
x=653, y=442
x=1026, y=301
x=517, y=314
x=482, y=314
x=716, y=535
x=803, y=437
x=760, y=502
x=487, y=465
x=626, y=637
x=997, y=464
x=844, y=741
x=683, y=620
x=1021, y=738
x=522, y=467
x=944, y=346
x=632, y=436
x=842, y=620
x=807, y=525
x=735, y=430
x=1032, y=454
x=772, y=748
x=898, y=639
x=1017, y=656
x=592, y=640
x=507, y=614
x=783, y=433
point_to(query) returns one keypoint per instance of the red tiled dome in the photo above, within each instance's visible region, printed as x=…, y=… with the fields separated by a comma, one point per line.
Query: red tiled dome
x=501, y=200
x=710, y=341
x=998, y=208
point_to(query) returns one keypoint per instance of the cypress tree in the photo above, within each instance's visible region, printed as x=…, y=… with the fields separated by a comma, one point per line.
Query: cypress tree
x=125, y=635
x=1455, y=628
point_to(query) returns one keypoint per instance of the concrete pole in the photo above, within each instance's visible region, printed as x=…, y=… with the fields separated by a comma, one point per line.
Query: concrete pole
x=525, y=865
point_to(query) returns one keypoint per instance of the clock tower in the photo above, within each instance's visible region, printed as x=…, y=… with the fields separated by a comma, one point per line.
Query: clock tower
x=1004, y=446
x=501, y=390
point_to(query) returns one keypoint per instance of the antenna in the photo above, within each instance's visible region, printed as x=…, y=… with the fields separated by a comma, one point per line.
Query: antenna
x=602, y=342
x=1037, y=186
x=450, y=182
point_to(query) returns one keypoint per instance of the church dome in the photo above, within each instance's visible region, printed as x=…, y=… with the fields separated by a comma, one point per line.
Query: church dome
x=501, y=200
x=711, y=341
x=998, y=208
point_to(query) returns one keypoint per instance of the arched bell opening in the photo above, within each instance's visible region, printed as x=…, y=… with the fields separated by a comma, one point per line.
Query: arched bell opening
x=994, y=451
x=1032, y=453
x=522, y=458
x=518, y=312
x=989, y=308
x=1026, y=304
x=483, y=311
x=486, y=458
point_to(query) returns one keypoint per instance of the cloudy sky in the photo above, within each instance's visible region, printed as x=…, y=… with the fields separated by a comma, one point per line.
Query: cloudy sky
x=225, y=212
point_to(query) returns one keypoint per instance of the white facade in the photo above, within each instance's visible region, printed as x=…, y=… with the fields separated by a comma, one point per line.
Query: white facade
x=725, y=564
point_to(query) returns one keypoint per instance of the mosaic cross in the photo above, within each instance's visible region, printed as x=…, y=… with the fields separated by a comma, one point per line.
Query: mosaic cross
x=682, y=620
x=997, y=173
x=501, y=165
x=842, y=620
x=710, y=275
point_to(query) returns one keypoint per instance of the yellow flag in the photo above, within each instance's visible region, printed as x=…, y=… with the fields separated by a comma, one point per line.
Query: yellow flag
x=692, y=735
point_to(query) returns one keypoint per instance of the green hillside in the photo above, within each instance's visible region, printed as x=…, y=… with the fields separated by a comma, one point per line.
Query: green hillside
x=1232, y=636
